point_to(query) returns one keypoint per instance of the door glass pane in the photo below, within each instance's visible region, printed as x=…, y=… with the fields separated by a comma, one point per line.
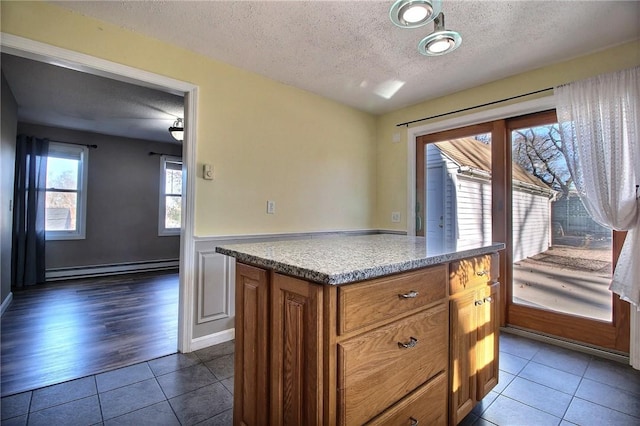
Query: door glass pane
x=458, y=193
x=562, y=258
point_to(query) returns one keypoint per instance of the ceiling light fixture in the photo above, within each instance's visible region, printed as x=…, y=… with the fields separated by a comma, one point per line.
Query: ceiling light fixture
x=177, y=130
x=414, y=13
x=440, y=41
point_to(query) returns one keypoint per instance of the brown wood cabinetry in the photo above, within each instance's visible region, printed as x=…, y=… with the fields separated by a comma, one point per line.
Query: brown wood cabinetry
x=474, y=327
x=374, y=352
x=251, y=400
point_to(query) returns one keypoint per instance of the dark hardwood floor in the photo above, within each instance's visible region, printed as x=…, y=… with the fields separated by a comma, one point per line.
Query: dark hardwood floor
x=66, y=330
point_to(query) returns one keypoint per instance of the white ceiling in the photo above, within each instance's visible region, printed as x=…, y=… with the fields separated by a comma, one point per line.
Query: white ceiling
x=348, y=51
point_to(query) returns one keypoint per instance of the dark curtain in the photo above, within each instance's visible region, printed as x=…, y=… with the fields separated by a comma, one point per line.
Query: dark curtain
x=27, y=255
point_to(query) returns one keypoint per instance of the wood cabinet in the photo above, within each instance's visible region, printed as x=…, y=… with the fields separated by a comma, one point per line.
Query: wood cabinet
x=376, y=352
x=474, y=327
x=296, y=352
x=251, y=400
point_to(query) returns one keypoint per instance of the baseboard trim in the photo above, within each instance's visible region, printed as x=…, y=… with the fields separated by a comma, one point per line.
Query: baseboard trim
x=110, y=269
x=212, y=339
x=568, y=344
x=6, y=303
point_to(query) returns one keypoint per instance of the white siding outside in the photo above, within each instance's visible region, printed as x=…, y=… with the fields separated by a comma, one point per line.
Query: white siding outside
x=474, y=211
x=467, y=211
x=531, y=224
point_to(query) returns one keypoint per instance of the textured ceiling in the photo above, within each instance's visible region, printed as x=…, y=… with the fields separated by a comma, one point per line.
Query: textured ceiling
x=346, y=50
x=350, y=51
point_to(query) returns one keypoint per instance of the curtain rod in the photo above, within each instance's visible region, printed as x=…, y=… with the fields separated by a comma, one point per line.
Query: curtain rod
x=73, y=143
x=474, y=107
x=162, y=153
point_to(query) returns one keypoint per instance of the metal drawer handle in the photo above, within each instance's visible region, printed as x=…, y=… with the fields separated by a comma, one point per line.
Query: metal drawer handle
x=479, y=302
x=414, y=422
x=482, y=273
x=411, y=344
x=488, y=299
x=411, y=295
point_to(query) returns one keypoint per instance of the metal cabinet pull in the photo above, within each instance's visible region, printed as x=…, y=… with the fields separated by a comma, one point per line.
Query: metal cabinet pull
x=479, y=302
x=482, y=273
x=414, y=422
x=410, y=344
x=411, y=295
x=488, y=299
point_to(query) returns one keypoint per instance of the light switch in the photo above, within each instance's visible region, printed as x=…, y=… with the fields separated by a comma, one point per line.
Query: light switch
x=207, y=171
x=271, y=207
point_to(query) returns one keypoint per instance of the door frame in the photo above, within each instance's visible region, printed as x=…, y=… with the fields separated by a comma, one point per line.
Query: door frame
x=482, y=116
x=612, y=335
x=42, y=52
x=619, y=339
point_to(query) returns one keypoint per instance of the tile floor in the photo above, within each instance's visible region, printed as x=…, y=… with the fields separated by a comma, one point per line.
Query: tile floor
x=539, y=385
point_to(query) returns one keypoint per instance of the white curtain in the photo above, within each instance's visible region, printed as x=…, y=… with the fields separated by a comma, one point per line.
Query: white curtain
x=600, y=127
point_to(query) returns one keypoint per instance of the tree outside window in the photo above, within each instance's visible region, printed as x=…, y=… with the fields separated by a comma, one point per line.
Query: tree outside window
x=170, y=215
x=65, y=195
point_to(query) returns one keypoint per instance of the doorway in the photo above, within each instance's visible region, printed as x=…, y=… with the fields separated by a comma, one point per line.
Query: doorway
x=42, y=52
x=542, y=290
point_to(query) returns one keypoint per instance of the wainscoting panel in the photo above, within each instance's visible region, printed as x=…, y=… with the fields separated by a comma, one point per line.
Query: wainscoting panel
x=216, y=277
x=214, y=286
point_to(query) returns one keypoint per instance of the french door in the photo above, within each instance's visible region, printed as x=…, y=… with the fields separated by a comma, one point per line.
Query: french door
x=507, y=181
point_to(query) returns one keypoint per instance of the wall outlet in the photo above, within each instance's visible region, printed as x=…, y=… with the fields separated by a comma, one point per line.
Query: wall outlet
x=395, y=217
x=271, y=207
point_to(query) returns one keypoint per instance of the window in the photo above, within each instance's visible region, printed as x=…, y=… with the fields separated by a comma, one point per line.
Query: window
x=66, y=200
x=170, y=196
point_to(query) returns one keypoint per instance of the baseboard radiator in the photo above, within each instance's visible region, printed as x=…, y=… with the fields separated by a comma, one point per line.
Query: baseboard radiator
x=57, y=274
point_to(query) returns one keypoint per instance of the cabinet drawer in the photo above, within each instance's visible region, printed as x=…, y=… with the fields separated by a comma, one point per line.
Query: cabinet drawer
x=475, y=271
x=367, y=303
x=426, y=406
x=375, y=371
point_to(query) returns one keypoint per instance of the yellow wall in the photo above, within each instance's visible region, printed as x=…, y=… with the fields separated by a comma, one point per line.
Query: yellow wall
x=392, y=157
x=327, y=166
x=315, y=158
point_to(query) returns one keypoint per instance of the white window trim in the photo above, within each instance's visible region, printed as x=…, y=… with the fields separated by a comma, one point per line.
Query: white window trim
x=162, y=231
x=81, y=210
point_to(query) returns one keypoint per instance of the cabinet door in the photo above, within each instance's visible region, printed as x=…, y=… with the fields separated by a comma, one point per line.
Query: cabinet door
x=251, y=395
x=296, y=352
x=463, y=315
x=488, y=333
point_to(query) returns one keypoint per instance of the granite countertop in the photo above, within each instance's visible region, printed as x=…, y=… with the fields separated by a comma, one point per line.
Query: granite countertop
x=342, y=260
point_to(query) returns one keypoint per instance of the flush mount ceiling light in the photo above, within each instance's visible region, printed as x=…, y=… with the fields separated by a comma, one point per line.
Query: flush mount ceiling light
x=177, y=130
x=440, y=41
x=414, y=13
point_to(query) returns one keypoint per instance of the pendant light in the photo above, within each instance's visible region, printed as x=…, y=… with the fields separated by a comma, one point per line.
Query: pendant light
x=177, y=130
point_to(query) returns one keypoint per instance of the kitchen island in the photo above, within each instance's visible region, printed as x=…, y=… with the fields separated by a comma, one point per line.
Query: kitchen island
x=363, y=329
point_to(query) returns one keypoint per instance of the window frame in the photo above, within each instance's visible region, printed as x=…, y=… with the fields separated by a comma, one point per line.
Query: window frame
x=72, y=151
x=162, y=196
